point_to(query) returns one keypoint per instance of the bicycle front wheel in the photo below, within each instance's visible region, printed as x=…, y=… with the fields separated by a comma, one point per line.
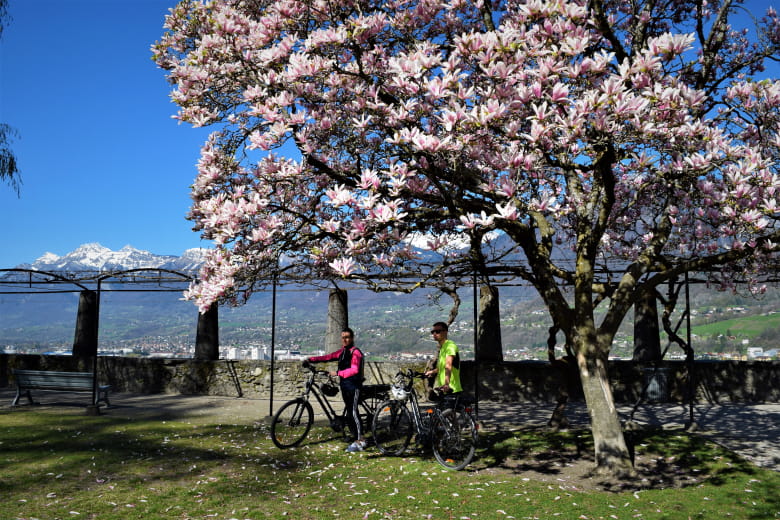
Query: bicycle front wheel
x=392, y=428
x=454, y=438
x=291, y=424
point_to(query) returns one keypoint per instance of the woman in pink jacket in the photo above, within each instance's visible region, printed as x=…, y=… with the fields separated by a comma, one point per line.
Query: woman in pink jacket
x=350, y=372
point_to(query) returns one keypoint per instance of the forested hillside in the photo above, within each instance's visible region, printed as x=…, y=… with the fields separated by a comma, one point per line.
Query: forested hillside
x=387, y=323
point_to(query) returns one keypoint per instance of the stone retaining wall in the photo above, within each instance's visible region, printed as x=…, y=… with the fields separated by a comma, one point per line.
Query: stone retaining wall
x=522, y=381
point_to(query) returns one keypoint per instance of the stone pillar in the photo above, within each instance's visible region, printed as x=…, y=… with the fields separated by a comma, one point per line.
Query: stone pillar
x=207, y=339
x=338, y=318
x=489, y=346
x=647, y=340
x=85, y=340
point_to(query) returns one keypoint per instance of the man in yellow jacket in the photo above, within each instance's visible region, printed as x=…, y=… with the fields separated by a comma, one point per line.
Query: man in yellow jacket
x=447, y=369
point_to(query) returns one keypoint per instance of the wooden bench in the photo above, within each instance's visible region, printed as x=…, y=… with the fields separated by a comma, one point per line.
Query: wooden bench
x=27, y=380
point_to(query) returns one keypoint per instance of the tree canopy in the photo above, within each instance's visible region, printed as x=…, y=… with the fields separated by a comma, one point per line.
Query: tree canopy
x=549, y=122
x=631, y=136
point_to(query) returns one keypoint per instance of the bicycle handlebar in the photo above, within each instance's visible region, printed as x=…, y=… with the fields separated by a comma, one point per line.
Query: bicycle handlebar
x=412, y=374
x=314, y=370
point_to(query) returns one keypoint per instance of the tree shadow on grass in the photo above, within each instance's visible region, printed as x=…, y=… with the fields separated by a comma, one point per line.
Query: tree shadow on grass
x=535, y=449
x=663, y=459
x=47, y=447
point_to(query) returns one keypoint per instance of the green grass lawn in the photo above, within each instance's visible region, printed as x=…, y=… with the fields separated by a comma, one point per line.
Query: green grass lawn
x=60, y=463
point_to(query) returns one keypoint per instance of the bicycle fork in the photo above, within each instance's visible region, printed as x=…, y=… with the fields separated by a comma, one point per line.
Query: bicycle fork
x=295, y=418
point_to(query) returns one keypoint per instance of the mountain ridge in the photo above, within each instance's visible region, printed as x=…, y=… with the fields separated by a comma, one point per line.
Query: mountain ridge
x=93, y=256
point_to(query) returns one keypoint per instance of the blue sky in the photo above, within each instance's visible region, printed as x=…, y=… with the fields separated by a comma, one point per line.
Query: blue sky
x=101, y=158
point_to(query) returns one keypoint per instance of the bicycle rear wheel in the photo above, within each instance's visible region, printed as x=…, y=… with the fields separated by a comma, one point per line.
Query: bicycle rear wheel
x=371, y=396
x=454, y=438
x=392, y=428
x=291, y=424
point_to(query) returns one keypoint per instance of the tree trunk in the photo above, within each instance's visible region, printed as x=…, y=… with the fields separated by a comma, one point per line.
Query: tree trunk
x=489, y=346
x=612, y=455
x=338, y=319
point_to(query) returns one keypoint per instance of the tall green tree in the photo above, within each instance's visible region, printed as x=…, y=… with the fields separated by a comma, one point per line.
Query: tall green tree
x=9, y=170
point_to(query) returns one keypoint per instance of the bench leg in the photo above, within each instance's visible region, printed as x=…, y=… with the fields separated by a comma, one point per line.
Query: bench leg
x=102, y=395
x=15, y=402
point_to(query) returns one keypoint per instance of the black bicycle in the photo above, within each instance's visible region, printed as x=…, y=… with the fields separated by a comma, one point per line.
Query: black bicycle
x=293, y=421
x=448, y=427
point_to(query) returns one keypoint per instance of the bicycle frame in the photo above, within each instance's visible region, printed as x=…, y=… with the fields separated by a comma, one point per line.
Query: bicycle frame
x=294, y=419
x=312, y=387
x=422, y=423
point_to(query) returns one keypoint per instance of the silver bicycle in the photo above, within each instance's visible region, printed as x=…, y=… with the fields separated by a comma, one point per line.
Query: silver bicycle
x=448, y=427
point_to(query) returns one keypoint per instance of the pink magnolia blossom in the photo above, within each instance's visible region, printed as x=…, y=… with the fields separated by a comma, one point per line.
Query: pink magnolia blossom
x=507, y=211
x=343, y=266
x=340, y=196
x=566, y=127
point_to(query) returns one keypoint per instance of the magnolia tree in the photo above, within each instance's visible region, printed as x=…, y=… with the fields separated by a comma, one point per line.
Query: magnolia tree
x=610, y=145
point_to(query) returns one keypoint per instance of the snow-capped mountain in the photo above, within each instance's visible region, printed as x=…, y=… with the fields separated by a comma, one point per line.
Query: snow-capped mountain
x=189, y=261
x=95, y=257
